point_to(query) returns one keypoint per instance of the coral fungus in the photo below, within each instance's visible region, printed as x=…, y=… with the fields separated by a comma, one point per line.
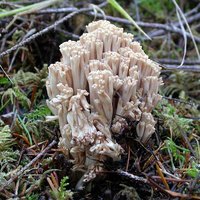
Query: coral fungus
x=101, y=77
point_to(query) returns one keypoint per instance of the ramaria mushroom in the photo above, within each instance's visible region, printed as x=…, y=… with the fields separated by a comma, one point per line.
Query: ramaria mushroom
x=101, y=80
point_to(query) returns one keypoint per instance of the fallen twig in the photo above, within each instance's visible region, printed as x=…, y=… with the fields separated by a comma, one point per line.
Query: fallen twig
x=171, y=193
x=165, y=27
x=172, y=179
x=178, y=100
x=190, y=19
x=57, y=10
x=47, y=29
x=176, y=62
x=193, y=11
x=193, y=68
x=174, y=27
x=131, y=176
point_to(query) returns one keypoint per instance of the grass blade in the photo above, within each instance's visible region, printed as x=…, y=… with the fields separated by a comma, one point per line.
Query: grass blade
x=126, y=15
x=28, y=9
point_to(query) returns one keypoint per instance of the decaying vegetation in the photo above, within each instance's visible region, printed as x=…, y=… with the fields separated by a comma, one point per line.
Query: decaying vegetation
x=33, y=166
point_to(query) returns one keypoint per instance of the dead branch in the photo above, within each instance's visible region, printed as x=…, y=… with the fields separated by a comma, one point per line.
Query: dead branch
x=171, y=28
x=177, y=62
x=47, y=29
x=190, y=68
x=131, y=176
x=190, y=19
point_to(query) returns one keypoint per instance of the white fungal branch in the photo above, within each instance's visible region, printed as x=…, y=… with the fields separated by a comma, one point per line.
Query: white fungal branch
x=101, y=92
x=101, y=80
x=83, y=131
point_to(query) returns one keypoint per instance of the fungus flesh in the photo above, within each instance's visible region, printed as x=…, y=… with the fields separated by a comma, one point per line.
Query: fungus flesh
x=101, y=79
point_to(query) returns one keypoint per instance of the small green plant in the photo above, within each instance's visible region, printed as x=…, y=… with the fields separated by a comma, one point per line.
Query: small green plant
x=178, y=158
x=32, y=197
x=34, y=121
x=22, y=90
x=26, y=78
x=4, y=81
x=59, y=192
x=39, y=113
x=7, y=155
x=14, y=95
x=172, y=121
x=177, y=154
x=194, y=171
x=5, y=136
x=64, y=193
x=23, y=94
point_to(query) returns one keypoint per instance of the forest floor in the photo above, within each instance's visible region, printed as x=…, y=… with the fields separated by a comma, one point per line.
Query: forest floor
x=33, y=167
